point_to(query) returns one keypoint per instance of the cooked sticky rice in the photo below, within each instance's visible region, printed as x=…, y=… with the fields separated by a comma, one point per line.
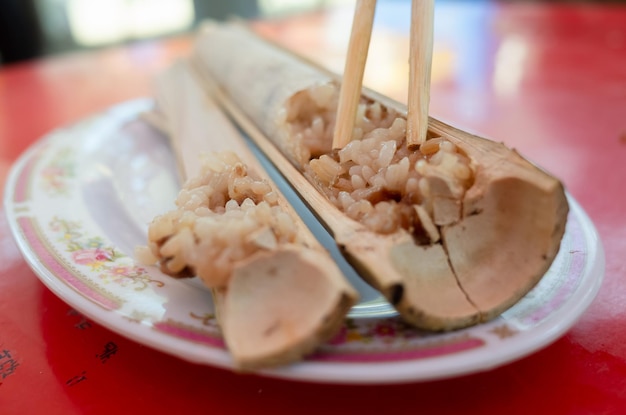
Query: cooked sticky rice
x=223, y=216
x=375, y=179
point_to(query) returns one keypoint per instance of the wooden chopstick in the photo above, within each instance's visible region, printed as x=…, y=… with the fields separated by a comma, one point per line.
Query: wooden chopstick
x=420, y=65
x=350, y=92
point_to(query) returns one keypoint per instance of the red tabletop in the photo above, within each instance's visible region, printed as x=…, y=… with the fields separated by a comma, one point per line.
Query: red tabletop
x=549, y=80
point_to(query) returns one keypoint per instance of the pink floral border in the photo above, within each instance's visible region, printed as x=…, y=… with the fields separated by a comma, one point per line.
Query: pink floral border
x=366, y=352
x=187, y=332
x=95, y=254
x=59, y=169
x=74, y=279
x=21, y=193
x=412, y=352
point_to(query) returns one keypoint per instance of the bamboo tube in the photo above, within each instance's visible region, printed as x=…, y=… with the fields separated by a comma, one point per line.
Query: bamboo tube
x=287, y=297
x=498, y=239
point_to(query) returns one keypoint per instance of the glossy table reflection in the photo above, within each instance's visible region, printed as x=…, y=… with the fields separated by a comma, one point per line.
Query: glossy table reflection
x=549, y=80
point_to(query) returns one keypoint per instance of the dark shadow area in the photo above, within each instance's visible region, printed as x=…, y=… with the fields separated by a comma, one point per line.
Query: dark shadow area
x=20, y=31
x=34, y=28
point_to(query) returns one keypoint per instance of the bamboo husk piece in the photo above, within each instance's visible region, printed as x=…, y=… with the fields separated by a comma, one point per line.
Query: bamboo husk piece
x=491, y=244
x=285, y=299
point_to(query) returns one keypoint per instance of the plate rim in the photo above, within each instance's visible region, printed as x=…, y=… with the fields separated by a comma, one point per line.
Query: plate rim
x=312, y=370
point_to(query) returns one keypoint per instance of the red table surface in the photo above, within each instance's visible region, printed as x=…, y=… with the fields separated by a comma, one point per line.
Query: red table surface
x=549, y=80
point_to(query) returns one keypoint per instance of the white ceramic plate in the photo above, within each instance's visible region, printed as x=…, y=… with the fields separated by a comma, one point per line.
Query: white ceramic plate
x=80, y=199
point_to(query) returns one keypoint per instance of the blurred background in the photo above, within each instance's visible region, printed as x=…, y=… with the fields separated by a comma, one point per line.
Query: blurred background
x=33, y=28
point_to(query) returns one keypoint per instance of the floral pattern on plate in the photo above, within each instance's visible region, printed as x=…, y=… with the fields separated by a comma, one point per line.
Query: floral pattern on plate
x=55, y=174
x=109, y=264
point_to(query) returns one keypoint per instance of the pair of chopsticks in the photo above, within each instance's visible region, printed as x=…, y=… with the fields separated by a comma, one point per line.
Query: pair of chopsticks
x=420, y=63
